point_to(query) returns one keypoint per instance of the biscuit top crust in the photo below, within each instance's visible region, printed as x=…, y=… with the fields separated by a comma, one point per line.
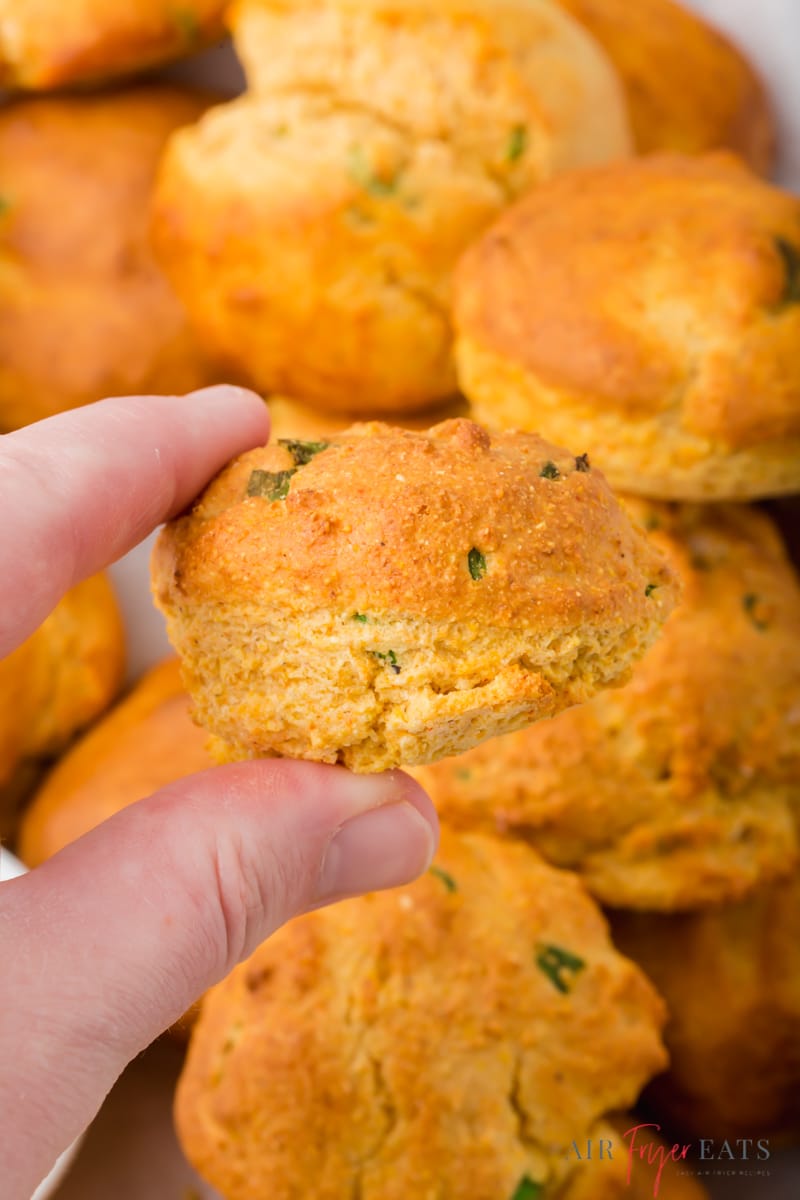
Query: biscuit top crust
x=659, y=284
x=448, y=524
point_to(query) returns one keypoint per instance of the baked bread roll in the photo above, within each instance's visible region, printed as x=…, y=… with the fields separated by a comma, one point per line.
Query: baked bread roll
x=688, y=88
x=675, y=791
x=311, y=228
x=57, y=681
x=146, y=742
x=452, y=1038
x=389, y=596
x=734, y=1064
x=652, y=309
x=49, y=43
x=84, y=310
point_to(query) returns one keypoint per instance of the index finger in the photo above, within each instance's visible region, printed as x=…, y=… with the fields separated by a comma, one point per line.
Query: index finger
x=80, y=489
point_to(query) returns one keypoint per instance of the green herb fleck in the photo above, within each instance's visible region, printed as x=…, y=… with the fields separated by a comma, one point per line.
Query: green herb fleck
x=549, y=471
x=790, y=256
x=527, y=1189
x=476, y=563
x=187, y=24
x=302, y=452
x=272, y=485
x=651, y=587
x=554, y=961
x=360, y=617
x=446, y=879
x=517, y=143
x=750, y=604
x=364, y=175
x=582, y=463
x=389, y=657
x=652, y=522
x=463, y=773
x=5, y=205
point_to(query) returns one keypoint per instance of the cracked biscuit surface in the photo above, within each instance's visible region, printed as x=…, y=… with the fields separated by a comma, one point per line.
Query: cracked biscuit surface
x=51, y=43
x=688, y=88
x=311, y=227
x=675, y=791
x=389, y=596
x=651, y=308
x=448, y=1039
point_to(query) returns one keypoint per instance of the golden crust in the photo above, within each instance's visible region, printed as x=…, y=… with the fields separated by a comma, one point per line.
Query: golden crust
x=58, y=680
x=421, y=1016
x=146, y=742
x=407, y=594
x=734, y=1065
x=675, y=791
x=84, y=310
x=646, y=305
x=688, y=88
x=311, y=228
x=48, y=43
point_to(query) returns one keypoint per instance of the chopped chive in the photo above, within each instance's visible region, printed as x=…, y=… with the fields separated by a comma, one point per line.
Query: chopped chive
x=302, y=452
x=389, y=657
x=517, y=143
x=5, y=205
x=750, y=604
x=790, y=256
x=360, y=617
x=549, y=471
x=446, y=879
x=651, y=587
x=554, y=961
x=476, y=563
x=272, y=485
x=652, y=522
x=364, y=175
x=582, y=463
x=463, y=773
x=187, y=24
x=527, y=1189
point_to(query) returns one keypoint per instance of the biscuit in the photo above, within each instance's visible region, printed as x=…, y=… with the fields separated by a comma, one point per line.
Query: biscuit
x=311, y=228
x=675, y=791
x=734, y=1065
x=84, y=310
x=146, y=742
x=642, y=307
x=390, y=596
x=447, y=1039
x=688, y=88
x=62, y=677
x=49, y=43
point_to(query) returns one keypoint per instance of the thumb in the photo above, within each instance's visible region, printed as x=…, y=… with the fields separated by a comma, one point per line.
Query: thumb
x=108, y=942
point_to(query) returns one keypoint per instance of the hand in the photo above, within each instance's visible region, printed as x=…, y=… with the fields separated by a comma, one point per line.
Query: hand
x=108, y=942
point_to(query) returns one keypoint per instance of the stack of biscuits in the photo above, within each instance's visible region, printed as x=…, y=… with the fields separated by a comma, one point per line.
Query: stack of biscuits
x=531, y=248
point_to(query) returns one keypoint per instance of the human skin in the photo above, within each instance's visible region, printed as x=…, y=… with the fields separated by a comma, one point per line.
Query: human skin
x=107, y=943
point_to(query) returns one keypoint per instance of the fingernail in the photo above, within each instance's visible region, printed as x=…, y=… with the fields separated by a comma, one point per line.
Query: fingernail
x=382, y=848
x=225, y=393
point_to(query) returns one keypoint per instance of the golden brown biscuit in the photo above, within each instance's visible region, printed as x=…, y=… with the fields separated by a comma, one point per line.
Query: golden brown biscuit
x=147, y=741
x=688, y=88
x=291, y=418
x=58, y=680
x=675, y=791
x=731, y=979
x=651, y=309
x=84, y=310
x=389, y=596
x=49, y=43
x=311, y=228
x=446, y=1039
